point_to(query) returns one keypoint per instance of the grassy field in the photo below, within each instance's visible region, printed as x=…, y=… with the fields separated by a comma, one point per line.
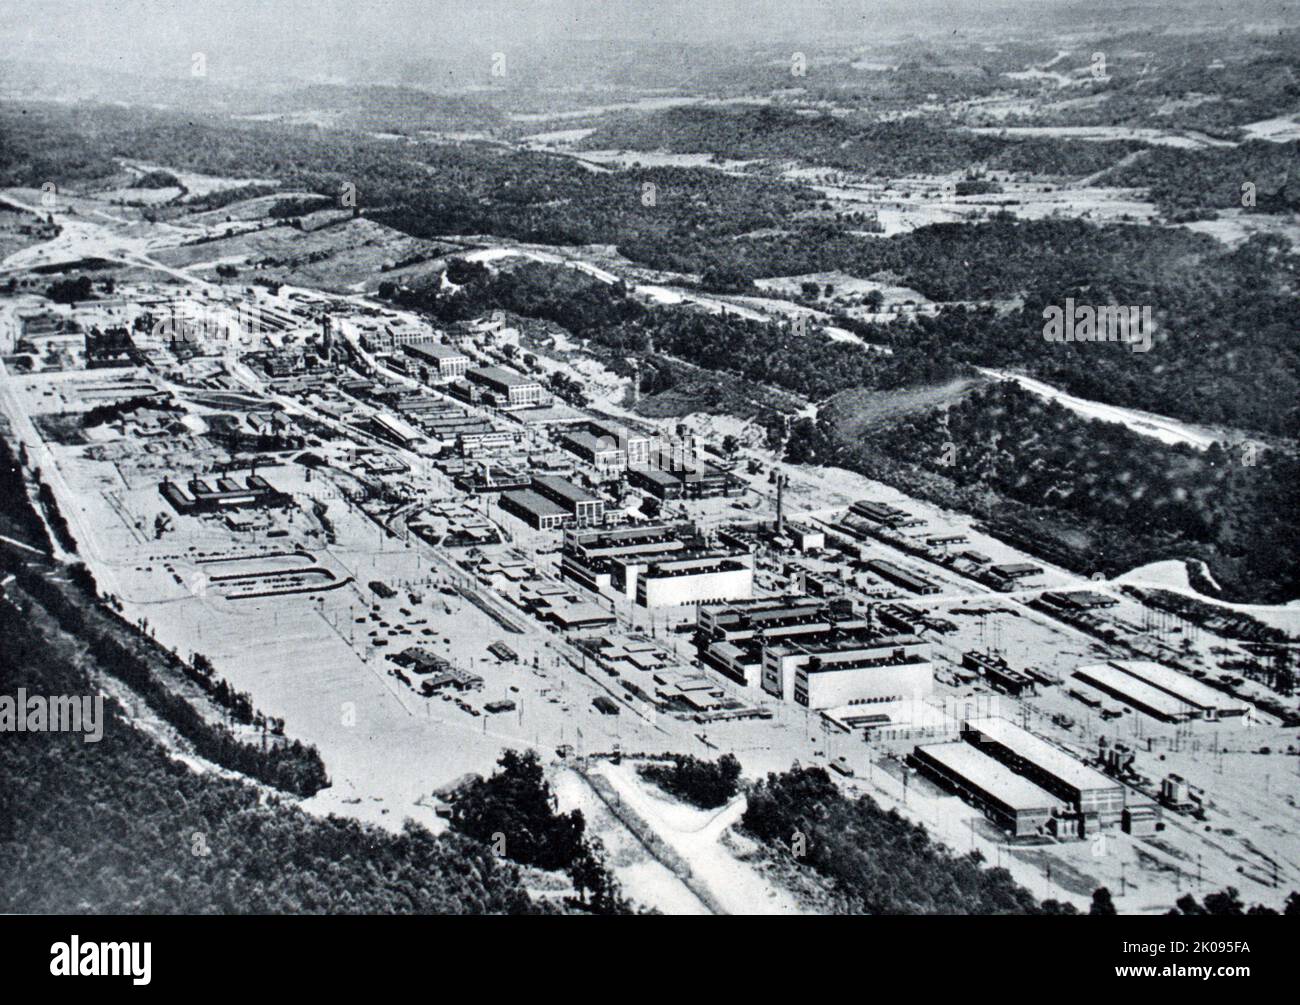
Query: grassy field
x=332, y=253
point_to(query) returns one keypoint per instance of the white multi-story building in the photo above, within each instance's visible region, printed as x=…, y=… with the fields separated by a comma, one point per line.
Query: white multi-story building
x=823, y=672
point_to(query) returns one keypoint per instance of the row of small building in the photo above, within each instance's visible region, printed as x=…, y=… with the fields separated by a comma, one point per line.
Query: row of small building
x=866, y=519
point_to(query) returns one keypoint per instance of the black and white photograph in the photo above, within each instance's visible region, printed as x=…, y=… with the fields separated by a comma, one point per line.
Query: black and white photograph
x=599, y=458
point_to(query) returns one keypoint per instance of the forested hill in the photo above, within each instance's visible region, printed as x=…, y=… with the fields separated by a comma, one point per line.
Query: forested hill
x=120, y=827
x=1098, y=495
x=1225, y=351
x=861, y=144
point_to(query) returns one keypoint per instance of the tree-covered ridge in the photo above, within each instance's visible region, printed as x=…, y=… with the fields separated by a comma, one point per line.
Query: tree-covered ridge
x=1194, y=184
x=1038, y=451
x=120, y=827
x=889, y=149
x=1129, y=497
x=999, y=258
x=877, y=860
x=425, y=190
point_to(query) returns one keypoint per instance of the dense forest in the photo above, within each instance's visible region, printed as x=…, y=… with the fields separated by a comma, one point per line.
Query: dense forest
x=514, y=811
x=889, y=149
x=878, y=862
x=707, y=784
x=1194, y=184
x=425, y=190
x=1211, y=82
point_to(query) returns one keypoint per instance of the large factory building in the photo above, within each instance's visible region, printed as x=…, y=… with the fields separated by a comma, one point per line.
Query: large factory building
x=1010, y=800
x=1097, y=800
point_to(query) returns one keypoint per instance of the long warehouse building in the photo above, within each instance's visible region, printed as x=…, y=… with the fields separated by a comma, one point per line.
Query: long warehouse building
x=1096, y=798
x=1135, y=693
x=1011, y=801
x=1207, y=702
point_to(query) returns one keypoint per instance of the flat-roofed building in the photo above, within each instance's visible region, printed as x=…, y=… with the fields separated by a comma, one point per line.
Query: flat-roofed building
x=511, y=388
x=1013, y=572
x=587, y=509
x=658, y=566
x=1208, y=703
x=1078, y=600
x=637, y=446
x=200, y=497
x=602, y=452
x=684, y=477
x=392, y=337
x=397, y=431
x=836, y=667
x=445, y=362
x=582, y=618
x=474, y=442
x=998, y=672
x=896, y=675
x=535, y=510
x=806, y=538
x=1135, y=693
x=899, y=576
x=772, y=616
x=1010, y=800
x=587, y=556
x=659, y=483
x=696, y=579
x=883, y=513
x=1096, y=798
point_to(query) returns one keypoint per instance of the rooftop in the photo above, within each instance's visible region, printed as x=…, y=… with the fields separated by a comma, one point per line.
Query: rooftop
x=1053, y=760
x=436, y=350
x=1139, y=691
x=990, y=776
x=534, y=502
x=1179, y=684
x=588, y=441
x=500, y=375
x=562, y=487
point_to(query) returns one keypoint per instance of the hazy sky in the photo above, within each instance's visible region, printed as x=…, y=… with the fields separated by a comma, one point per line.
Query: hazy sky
x=108, y=30
x=311, y=37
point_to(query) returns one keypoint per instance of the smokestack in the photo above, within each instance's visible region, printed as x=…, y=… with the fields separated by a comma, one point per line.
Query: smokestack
x=780, y=503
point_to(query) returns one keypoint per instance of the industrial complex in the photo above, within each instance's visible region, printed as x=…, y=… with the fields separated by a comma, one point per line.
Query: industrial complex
x=473, y=537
